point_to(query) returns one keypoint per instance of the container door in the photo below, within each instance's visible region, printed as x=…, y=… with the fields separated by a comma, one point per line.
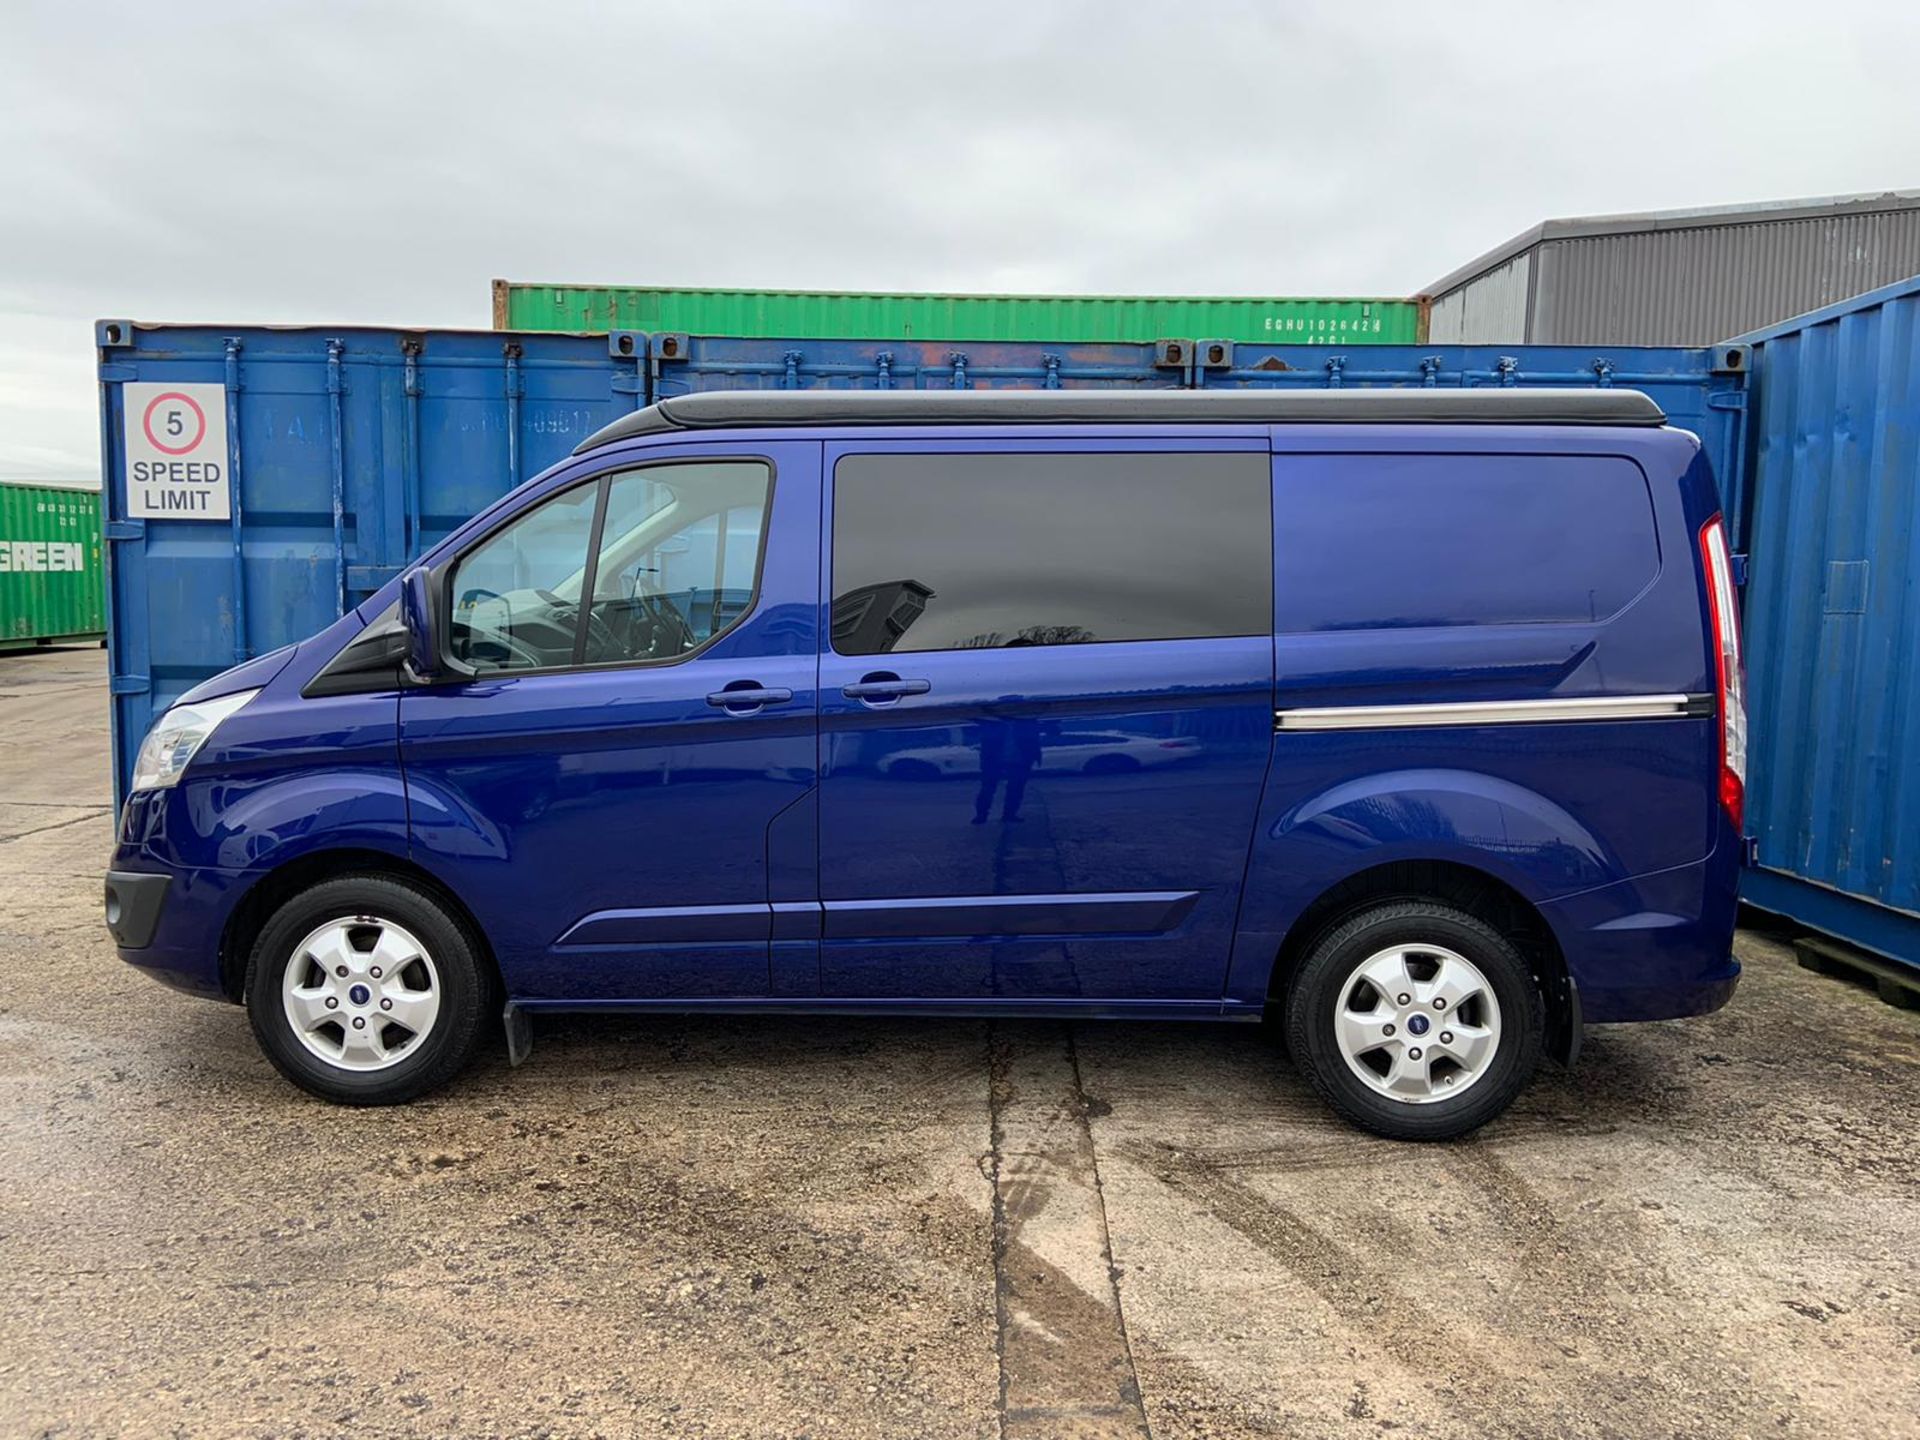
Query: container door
x=1046, y=710
x=606, y=792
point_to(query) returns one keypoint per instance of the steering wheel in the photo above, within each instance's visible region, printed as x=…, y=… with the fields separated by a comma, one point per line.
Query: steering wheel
x=600, y=637
x=666, y=626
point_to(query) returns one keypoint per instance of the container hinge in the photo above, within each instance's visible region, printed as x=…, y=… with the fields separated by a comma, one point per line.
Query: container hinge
x=129, y=685
x=1430, y=370
x=124, y=529
x=1603, y=372
x=1727, y=400
x=1508, y=369
x=958, y=360
x=1739, y=563
x=1336, y=368
x=883, y=370
x=118, y=373
x=627, y=384
x=791, y=359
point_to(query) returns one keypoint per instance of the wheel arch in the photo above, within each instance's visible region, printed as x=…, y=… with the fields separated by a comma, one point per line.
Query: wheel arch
x=1479, y=893
x=276, y=886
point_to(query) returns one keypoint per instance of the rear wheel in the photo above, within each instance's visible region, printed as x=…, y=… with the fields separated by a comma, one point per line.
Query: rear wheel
x=366, y=991
x=1416, y=1021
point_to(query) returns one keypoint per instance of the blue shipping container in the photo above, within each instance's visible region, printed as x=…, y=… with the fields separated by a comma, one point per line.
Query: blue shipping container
x=347, y=452
x=1833, y=621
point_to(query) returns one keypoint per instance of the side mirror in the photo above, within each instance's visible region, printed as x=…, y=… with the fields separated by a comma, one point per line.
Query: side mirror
x=416, y=613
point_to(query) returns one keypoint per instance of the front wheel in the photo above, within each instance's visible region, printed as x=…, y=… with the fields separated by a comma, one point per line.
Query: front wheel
x=1416, y=1021
x=366, y=991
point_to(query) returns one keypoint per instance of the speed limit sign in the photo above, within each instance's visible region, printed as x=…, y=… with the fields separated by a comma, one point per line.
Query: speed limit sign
x=177, y=452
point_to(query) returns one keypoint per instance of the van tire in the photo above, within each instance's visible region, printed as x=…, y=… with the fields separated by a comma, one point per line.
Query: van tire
x=378, y=906
x=1328, y=979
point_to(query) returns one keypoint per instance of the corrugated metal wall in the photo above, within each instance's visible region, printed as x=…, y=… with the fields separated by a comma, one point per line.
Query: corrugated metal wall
x=1490, y=311
x=353, y=450
x=350, y=452
x=1695, y=286
x=1674, y=284
x=1833, y=621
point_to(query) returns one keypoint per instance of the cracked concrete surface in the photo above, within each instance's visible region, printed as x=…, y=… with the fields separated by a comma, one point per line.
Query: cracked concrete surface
x=833, y=1227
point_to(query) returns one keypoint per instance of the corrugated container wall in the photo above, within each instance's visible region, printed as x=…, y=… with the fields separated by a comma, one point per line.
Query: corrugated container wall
x=1684, y=278
x=351, y=451
x=1833, y=621
x=52, y=586
x=347, y=452
x=849, y=315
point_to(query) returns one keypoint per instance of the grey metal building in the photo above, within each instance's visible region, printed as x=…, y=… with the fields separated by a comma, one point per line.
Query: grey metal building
x=1677, y=277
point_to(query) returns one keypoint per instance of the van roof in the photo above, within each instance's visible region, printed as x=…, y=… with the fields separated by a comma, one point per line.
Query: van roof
x=730, y=409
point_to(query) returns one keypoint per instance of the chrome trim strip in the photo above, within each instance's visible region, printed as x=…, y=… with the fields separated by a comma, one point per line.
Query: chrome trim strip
x=1484, y=712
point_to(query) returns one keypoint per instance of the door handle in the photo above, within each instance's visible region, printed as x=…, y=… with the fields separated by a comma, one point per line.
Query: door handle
x=744, y=695
x=883, y=689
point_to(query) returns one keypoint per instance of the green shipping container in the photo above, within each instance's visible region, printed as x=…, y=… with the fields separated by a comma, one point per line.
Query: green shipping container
x=846, y=315
x=52, y=586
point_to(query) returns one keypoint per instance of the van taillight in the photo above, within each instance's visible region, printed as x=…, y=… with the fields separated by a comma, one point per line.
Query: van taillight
x=1733, y=688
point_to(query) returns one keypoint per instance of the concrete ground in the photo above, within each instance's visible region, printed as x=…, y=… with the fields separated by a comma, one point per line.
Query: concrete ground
x=831, y=1227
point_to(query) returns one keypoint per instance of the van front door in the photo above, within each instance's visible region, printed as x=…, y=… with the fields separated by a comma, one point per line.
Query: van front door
x=607, y=790
x=1046, y=712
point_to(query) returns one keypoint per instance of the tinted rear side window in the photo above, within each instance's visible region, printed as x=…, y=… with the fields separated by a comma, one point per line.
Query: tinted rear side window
x=1392, y=541
x=955, y=552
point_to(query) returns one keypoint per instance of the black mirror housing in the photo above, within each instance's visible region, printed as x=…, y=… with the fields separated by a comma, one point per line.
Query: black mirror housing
x=417, y=614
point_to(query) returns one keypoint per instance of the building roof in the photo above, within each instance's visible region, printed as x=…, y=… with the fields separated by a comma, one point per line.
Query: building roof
x=733, y=409
x=1758, y=212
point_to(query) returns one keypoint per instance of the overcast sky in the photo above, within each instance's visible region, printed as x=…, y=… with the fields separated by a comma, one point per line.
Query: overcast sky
x=380, y=163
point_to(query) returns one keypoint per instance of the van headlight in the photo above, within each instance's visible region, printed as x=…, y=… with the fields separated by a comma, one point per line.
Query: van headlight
x=177, y=736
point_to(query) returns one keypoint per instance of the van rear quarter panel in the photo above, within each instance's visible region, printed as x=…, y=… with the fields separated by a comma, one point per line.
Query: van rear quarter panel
x=1553, y=810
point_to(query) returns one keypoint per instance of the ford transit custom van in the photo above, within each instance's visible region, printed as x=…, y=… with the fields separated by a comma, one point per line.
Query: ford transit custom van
x=1408, y=719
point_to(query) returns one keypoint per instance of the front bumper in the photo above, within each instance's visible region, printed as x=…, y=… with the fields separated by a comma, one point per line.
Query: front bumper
x=169, y=924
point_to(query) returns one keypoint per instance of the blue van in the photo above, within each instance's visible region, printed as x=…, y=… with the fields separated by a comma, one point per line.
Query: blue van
x=1412, y=717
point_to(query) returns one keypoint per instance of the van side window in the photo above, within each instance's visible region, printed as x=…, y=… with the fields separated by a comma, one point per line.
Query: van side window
x=1401, y=541
x=957, y=552
x=677, y=563
x=679, y=558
